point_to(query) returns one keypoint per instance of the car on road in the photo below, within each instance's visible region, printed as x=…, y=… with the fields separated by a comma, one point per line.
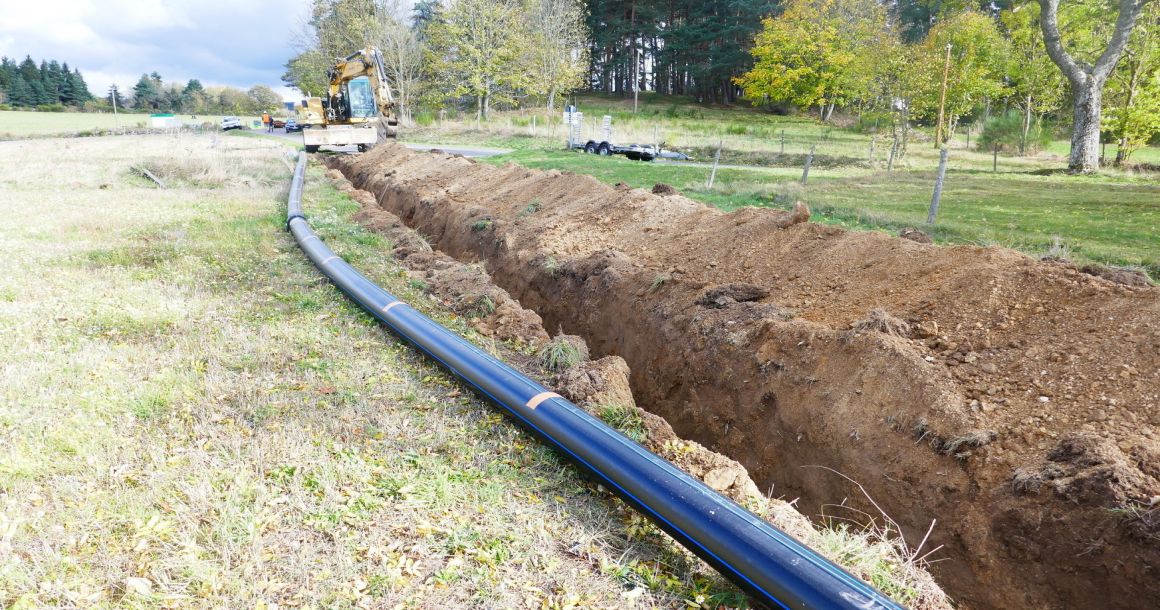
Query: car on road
x=231, y=122
x=292, y=125
x=279, y=123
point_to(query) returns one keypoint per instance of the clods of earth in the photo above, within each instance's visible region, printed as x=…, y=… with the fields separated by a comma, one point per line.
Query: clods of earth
x=1014, y=402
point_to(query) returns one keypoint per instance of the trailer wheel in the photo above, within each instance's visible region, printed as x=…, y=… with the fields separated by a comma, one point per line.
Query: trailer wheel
x=590, y=147
x=605, y=149
x=311, y=148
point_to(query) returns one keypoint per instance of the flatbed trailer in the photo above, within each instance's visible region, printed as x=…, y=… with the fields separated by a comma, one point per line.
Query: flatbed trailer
x=636, y=152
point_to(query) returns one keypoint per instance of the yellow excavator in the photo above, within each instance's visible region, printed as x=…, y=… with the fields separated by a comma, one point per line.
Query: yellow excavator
x=359, y=108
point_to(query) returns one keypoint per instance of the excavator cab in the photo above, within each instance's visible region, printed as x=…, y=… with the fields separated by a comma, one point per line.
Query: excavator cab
x=360, y=99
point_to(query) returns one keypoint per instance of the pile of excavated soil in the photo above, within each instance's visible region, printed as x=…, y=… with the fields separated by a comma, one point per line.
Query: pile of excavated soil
x=599, y=385
x=1016, y=402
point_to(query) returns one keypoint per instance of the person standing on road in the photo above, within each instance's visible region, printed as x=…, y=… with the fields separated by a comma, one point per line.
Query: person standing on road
x=267, y=120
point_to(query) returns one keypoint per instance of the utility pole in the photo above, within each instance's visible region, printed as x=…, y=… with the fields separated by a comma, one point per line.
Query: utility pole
x=113, y=93
x=942, y=102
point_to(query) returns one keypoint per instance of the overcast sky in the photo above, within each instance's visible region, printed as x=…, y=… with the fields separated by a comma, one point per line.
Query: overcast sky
x=220, y=42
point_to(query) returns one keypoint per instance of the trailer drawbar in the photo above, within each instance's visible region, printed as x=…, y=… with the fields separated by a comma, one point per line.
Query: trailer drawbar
x=778, y=571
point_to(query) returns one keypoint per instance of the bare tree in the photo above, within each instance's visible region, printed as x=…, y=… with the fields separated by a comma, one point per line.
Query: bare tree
x=402, y=55
x=1087, y=80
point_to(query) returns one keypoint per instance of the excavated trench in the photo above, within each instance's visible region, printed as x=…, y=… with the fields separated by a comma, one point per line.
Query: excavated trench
x=1013, y=401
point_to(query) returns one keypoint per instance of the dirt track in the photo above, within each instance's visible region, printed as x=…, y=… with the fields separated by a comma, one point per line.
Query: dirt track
x=1014, y=401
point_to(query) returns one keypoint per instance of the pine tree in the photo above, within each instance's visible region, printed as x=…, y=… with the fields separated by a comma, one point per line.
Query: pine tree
x=145, y=92
x=67, y=91
x=29, y=70
x=21, y=92
x=7, y=74
x=50, y=77
x=80, y=89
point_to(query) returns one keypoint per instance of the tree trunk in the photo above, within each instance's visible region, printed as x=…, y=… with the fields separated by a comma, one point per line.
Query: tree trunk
x=478, y=108
x=551, y=99
x=932, y=215
x=1087, y=81
x=1085, y=131
x=1026, y=126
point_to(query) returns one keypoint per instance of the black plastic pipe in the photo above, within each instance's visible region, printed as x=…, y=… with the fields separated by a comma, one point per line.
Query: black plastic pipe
x=767, y=563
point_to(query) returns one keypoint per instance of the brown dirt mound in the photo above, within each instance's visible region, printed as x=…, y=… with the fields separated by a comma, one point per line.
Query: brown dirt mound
x=915, y=235
x=603, y=384
x=1127, y=277
x=466, y=289
x=1007, y=358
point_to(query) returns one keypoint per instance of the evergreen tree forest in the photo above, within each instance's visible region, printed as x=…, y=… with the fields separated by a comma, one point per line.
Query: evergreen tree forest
x=676, y=47
x=49, y=83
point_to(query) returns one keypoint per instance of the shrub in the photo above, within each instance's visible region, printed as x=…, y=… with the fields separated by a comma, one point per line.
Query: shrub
x=1003, y=133
x=872, y=122
x=51, y=108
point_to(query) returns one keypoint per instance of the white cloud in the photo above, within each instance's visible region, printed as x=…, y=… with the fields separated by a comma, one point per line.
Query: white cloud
x=240, y=43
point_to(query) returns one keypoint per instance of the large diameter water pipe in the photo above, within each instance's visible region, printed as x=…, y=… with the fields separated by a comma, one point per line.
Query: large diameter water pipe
x=775, y=569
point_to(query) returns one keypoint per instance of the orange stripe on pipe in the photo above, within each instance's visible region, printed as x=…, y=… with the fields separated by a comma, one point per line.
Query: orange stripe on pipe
x=541, y=397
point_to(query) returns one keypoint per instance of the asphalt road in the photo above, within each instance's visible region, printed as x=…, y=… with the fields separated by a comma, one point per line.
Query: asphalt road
x=450, y=149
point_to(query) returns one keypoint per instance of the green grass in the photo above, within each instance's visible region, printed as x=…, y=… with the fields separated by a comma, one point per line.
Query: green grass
x=22, y=124
x=191, y=413
x=1111, y=218
x=1098, y=219
x=559, y=355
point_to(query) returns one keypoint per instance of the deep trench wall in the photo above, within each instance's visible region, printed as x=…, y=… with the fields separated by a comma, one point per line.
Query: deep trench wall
x=783, y=385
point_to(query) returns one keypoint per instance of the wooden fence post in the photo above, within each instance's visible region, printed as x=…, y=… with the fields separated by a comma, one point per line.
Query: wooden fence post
x=716, y=159
x=809, y=161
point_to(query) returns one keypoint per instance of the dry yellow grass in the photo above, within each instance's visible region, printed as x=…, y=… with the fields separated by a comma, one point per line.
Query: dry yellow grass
x=190, y=418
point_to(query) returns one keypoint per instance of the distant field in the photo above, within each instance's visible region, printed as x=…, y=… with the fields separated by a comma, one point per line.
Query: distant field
x=19, y=124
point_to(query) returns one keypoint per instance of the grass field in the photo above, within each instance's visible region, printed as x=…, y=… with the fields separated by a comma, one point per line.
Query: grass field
x=20, y=124
x=1111, y=218
x=1105, y=219
x=191, y=418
